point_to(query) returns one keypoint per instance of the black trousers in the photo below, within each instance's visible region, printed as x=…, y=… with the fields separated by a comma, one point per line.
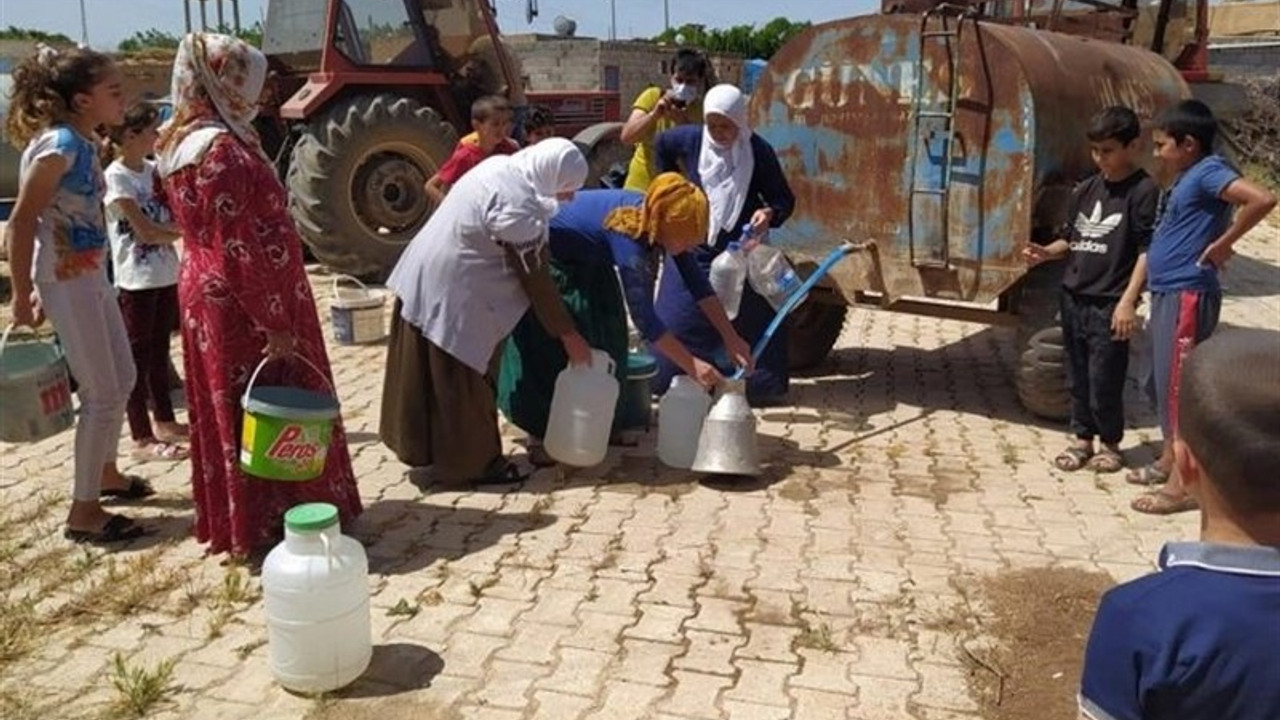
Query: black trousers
x=1097, y=366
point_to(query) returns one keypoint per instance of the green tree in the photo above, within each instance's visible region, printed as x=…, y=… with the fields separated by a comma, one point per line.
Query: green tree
x=17, y=33
x=152, y=39
x=155, y=39
x=753, y=42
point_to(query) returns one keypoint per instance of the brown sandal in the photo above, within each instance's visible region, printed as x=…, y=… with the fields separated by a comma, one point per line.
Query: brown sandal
x=1073, y=458
x=1160, y=502
x=1106, y=461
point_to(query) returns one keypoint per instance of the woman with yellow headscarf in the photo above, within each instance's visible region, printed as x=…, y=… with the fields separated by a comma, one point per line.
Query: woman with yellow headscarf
x=599, y=240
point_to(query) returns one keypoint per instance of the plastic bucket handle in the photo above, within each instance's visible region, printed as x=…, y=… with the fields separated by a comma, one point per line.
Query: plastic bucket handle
x=337, y=279
x=254, y=378
x=4, y=338
x=610, y=367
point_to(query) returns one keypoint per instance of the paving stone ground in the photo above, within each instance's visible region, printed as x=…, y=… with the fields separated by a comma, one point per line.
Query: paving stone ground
x=903, y=467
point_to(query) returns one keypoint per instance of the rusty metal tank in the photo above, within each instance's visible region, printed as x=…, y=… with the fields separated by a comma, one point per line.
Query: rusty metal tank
x=949, y=173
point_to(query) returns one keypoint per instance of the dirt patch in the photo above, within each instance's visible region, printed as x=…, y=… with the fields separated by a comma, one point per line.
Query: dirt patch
x=1029, y=641
x=401, y=708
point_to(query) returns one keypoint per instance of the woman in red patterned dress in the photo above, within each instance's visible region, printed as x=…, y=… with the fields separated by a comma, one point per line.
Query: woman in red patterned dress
x=243, y=291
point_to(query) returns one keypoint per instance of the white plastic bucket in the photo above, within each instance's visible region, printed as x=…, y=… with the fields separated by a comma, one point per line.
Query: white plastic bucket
x=35, y=391
x=357, y=312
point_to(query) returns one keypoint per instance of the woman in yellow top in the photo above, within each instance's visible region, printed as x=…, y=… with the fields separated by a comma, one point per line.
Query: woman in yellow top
x=658, y=109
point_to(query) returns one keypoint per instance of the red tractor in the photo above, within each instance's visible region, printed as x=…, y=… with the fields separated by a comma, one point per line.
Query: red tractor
x=369, y=98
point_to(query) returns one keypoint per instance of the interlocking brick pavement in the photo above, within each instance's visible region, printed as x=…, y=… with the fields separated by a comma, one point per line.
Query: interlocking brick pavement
x=630, y=590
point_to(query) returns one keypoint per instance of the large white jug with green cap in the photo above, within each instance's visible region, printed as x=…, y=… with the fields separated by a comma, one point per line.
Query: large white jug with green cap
x=315, y=588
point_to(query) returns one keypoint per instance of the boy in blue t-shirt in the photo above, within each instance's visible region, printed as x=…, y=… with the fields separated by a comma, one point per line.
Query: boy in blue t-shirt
x=1198, y=639
x=1193, y=237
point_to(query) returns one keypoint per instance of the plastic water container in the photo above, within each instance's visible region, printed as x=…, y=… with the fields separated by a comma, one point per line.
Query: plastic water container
x=35, y=391
x=582, y=410
x=315, y=588
x=681, y=413
x=728, y=273
x=772, y=276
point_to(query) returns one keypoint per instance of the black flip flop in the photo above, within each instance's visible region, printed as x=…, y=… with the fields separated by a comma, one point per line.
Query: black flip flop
x=137, y=489
x=505, y=474
x=117, y=529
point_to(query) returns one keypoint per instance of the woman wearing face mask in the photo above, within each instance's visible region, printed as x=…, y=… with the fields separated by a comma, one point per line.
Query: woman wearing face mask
x=744, y=184
x=658, y=109
x=461, y=286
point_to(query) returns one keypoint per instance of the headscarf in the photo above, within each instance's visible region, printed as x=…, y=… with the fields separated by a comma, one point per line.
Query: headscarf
x=551, y=167
x=216, y=83
x=673, y=207
x=726, y=169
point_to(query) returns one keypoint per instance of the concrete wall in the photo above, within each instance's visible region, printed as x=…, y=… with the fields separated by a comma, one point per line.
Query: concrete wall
x=556, y=63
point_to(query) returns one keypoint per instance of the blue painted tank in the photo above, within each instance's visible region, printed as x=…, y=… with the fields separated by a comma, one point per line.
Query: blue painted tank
x=949, y=173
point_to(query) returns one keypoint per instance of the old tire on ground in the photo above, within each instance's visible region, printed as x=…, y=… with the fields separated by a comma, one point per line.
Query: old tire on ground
x=606, y=154
x=1041, y=374
x=356, y=180
x=812, y=330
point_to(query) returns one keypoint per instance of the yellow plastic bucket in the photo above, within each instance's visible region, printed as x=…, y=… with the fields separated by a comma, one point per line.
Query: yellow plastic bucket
x=287, y=430
x=35, y=391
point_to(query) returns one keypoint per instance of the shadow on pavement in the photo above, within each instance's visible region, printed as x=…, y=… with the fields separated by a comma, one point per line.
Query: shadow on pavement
x=395, y=668
x=404, y=536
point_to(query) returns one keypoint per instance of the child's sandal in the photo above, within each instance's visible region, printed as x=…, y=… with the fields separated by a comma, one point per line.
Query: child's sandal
x=1073, y=458
x=1106, y=461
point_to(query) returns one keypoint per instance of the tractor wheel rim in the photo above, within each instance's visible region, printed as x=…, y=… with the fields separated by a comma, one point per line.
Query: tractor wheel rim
x=388, y=193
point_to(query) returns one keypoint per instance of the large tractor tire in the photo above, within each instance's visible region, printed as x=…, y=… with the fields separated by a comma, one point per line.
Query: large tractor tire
x=812, y=330
x=1041, y=374
x=356, y=180
x=607, y=156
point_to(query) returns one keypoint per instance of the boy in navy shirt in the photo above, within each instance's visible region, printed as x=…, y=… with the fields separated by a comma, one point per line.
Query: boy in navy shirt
x=1193, y=237
x=1111, y=216
x=1198, y=640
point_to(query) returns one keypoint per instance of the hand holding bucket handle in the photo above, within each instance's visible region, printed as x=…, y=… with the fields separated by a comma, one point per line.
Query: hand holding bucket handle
x=253, y=379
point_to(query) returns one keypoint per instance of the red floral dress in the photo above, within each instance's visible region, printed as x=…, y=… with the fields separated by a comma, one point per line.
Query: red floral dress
x=242, y=273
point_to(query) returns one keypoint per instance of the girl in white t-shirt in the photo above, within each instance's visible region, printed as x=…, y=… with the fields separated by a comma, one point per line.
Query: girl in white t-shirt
x=56, y=239
x=145, y=265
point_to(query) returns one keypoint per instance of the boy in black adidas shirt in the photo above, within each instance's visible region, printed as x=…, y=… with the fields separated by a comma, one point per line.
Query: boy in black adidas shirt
x=1105, y=243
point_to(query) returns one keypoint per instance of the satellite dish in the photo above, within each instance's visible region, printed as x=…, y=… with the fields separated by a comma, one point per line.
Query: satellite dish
x=565, y=27
x=530, y=11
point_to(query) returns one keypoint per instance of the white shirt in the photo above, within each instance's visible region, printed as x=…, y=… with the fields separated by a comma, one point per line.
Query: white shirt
x=69, y=235
x=136, y=265
x=456, y=282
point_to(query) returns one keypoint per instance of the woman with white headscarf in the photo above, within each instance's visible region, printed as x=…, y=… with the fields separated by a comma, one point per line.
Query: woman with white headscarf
x=243, y=293
x=461, y=286
x=744, y=184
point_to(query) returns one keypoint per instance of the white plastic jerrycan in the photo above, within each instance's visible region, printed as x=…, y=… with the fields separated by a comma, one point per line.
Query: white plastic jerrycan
x=582, y=412
x=315, y=588
x=680, y=415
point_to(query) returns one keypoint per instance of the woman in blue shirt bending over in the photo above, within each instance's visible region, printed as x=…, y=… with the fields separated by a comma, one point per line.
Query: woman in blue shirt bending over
x=744, y=184
x=599, y=232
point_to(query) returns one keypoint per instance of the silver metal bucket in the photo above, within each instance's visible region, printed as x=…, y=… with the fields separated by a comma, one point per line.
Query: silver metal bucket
x=728, y=442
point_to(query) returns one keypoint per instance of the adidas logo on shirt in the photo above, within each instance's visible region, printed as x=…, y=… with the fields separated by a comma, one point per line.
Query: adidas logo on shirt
x=1093, y=227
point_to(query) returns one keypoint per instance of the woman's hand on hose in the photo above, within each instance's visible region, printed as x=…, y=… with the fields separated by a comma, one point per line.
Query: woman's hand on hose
x=280, y=343
x=739, y=352
x=576, y=347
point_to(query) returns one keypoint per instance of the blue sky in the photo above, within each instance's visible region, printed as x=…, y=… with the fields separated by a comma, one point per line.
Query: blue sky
x=112, y=20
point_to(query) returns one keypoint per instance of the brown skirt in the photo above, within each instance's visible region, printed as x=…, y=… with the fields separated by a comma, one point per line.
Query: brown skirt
x=436, y=411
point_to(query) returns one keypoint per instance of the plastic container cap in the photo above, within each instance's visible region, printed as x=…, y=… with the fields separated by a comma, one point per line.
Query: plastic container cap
x=311, y=517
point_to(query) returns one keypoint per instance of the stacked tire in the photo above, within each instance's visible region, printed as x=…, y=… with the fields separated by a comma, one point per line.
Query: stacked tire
x=1043, y=383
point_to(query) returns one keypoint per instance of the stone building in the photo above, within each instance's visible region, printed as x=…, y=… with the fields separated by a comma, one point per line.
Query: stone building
x=553, y=62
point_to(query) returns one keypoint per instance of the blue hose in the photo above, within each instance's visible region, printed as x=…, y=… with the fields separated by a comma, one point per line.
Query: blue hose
x=794, y=298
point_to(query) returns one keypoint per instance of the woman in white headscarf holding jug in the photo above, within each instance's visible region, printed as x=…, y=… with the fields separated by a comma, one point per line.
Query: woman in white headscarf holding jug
x=744, y=184
x=461, y=286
